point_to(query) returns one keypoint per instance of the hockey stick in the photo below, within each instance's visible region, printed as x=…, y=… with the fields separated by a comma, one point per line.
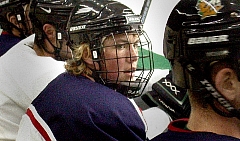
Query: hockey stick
x=145, y=9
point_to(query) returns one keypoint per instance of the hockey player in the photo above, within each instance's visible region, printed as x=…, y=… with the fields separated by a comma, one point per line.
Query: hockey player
x=201, y=42
x=25, y=71
x=91, y=100
x=15, y=23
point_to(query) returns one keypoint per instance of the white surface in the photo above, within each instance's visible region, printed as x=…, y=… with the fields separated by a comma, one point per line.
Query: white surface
x=157, y=121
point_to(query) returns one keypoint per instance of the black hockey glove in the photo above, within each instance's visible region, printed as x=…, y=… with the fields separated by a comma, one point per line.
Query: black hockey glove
x=169, y=97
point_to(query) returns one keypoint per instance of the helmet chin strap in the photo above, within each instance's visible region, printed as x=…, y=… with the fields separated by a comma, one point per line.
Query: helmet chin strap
x=22, y=35
x=129, y=89
x=56, y=51
x=218, y=103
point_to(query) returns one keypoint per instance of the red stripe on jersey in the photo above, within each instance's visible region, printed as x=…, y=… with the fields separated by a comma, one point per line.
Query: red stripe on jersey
x=37, y=125
x=179, y=125
x=4, y=33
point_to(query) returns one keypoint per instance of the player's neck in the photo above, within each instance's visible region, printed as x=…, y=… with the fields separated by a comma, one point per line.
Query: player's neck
x=209, y=121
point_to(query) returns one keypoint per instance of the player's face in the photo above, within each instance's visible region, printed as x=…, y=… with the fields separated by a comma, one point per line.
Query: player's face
x=121, y=57
x=57, y=44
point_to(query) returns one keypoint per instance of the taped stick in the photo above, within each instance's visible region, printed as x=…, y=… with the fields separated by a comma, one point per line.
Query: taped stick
x=145, y=9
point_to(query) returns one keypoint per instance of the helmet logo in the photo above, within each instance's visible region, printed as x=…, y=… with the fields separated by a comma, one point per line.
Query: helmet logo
x=79, y=27
x=4, y=2
x=207, y=40
x=208, y=8
x=85, y=9
x=133, y=19
x=46, y=10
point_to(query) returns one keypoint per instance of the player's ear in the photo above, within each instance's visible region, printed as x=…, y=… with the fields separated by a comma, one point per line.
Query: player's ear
x=226, y=82
x=50, y=31
x=13, y=20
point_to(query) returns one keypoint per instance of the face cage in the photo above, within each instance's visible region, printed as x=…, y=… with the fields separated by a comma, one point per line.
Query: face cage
x=130, y=88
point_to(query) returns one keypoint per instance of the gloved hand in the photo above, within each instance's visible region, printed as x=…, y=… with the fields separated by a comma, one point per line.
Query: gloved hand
x=169, y=97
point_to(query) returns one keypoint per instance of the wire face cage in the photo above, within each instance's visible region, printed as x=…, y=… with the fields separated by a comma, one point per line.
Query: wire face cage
x=125, y=60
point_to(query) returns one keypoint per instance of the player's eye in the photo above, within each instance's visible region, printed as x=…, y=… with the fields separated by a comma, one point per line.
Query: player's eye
x=121, y=46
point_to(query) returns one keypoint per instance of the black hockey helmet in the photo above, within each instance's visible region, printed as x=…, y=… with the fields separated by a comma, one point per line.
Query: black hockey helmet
x=18, y=9
x=56, y=13
x=93, y=21
x=198, y=33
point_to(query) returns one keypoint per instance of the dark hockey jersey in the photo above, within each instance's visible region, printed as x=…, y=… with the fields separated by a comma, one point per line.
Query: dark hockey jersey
x=177, y=132
x=7, y=41
x=78, y=109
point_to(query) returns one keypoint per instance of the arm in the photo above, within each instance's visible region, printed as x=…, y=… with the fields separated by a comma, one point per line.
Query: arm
x=33, y=128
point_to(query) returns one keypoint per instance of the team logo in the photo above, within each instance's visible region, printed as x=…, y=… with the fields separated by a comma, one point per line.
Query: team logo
x=208, y=8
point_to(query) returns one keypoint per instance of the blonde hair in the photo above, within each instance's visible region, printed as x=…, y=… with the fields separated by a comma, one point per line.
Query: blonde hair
x=77, y=65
